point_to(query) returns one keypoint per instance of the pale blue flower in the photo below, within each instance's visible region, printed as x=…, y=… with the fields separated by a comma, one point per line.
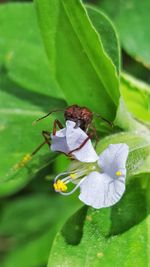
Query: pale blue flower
x=101, y=184
x=105, y=188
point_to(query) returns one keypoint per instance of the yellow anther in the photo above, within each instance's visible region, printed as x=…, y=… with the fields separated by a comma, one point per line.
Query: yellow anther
x=73, y=175
x=26, y=158
x=118, y=173
x=22, y=163
x=60, y=186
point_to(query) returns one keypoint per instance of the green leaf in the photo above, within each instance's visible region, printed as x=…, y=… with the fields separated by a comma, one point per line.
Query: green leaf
x=127, y=122
x=33, y=253
x=22, y=51
x=28, y=243
x=77, y=57
x=132, y=20
x=139, y=157
x=105, y=231
x=107, y=34
x=32, y=73
x=136, y=95
x=19, y=108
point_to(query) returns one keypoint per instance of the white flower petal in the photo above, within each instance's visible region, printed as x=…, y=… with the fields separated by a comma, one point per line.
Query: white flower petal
x=70, y=138
x=58, y=141
x=75, y=138
x=100, y=190
x=113, y=159
x=60, y=133
x=59, y=144
x=86, y=153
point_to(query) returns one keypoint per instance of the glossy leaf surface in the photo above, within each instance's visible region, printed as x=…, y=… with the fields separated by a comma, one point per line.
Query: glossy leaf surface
x=88, y=70
x=132, y=21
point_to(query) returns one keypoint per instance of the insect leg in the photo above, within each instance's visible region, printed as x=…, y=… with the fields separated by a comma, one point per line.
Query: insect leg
x=82, y=144
x=94, y=133
x=57, y=123
x=46, y=136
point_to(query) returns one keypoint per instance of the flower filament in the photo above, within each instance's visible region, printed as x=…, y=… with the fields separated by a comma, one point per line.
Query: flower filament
x=75, y=177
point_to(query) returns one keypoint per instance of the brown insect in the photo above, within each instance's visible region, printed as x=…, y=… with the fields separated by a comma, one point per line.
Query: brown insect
x=83, y=118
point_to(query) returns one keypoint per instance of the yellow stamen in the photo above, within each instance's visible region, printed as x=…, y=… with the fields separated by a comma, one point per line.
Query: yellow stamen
x=118, y=173
x=22, y=163
x=60, y=186
x=73, y=175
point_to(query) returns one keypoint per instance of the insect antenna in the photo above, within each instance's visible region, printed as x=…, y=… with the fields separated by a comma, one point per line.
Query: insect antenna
x=102, y=118
x=48, y=114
